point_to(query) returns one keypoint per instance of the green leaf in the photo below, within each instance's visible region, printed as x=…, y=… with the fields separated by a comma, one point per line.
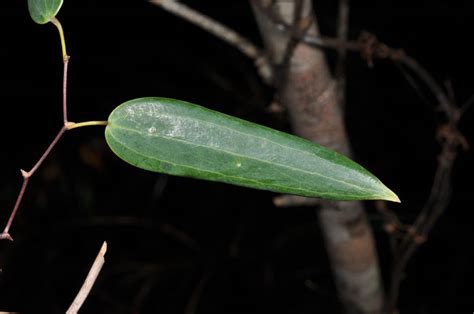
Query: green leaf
x=43, y=11
x=179, y=138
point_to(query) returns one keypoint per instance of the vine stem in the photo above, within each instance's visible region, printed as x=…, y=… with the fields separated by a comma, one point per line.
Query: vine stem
x=5, y=235
x=28, y=174
x=58, y=25
x=26, y=178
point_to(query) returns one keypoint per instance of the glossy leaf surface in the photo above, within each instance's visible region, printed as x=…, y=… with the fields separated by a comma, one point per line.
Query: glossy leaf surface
x=42, y=11
x=179, y=138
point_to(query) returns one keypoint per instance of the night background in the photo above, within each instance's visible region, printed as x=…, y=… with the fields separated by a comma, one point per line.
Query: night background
x=169, y=237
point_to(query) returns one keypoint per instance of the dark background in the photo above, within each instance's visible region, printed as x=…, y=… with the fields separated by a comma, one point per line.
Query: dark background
x=168, y=236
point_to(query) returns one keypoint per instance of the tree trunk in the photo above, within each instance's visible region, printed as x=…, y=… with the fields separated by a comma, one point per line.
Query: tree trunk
x=308, y=92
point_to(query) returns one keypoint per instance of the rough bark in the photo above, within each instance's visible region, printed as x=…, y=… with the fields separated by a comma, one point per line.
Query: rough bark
x=309, y=94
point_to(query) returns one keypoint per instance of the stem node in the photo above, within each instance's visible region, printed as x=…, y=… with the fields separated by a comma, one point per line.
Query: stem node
x=24, y=174
x=6, y=236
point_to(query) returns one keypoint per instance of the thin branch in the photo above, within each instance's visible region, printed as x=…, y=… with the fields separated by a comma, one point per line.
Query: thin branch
x=302, y=24
x=370, y=48
x=342, y=30
x=467, y=104
x=142, y=294
x=414, y=84
x=367, y=45
x=26, y=178
x=221, y=31
x=46, y=153
x=180, y=236
x=451, y=140
x=448, y=85
x=28, y=174
x=417, y=234
x=196, y=295
x=5, y=235
x=89, y=282
x=430, y=82
x=316, y=41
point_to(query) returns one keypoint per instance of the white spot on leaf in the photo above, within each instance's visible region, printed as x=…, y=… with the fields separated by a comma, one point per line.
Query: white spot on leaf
x=151, y=130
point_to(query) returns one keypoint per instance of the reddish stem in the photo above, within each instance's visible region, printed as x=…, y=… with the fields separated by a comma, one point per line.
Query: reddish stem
x=46, y=153
x=5, y=234
x=27, y=175
x=26, y=178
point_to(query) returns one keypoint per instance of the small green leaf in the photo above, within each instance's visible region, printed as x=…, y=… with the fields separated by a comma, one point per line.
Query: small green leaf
x=43, y=11
x=183, y=139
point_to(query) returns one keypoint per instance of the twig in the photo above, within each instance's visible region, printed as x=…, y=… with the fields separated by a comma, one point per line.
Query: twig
x=221, y=31
x=5, y=235
x=26, y=178
x=467, y=104
x=369, y=47
x=89, y=282
x=342, y=30
x=141, y=295
x=415, y=85
x=450, y=139
x=302, y=24
x=428, y=79
x=180, y=235
x=196, y=295
x=316, y=41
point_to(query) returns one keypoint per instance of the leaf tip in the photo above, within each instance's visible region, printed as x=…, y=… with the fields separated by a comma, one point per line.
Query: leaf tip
x=395, y=198
x=391, y=196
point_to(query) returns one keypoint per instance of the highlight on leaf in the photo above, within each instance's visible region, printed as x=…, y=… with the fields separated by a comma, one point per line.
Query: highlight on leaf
x=179, y=138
